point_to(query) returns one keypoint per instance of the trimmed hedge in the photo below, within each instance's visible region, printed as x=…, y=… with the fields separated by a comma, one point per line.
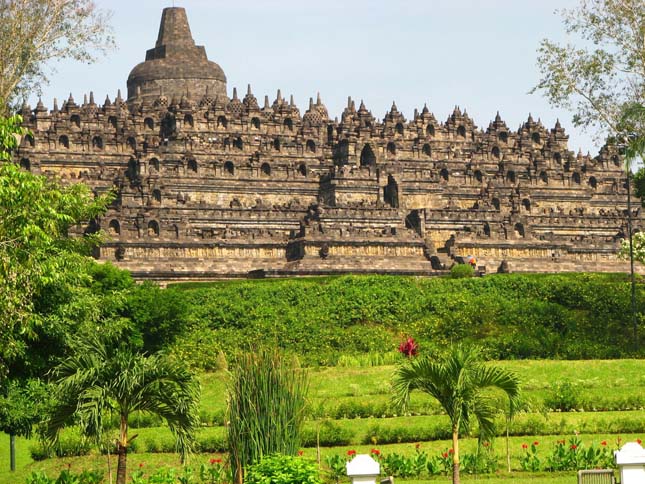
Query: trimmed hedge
x=568, y=316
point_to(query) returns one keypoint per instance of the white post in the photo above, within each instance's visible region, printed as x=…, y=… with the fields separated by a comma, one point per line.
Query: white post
x=362, y=469
x=631, y=463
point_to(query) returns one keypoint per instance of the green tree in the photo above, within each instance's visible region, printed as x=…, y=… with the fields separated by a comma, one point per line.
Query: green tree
x=266, y=408
x=22, y=403
x=10, y=132
x=33, y=33
x=102, y=377
x=37, y=217
x=602, y=80
x=460, y=381
x=160, y=315
x=602, y=70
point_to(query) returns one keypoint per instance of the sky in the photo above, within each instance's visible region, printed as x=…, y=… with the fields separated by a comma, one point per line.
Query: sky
x=477, y=54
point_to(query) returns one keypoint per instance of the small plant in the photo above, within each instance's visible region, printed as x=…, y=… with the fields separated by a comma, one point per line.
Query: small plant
x=213, y=472
x=529, y=460
x=336, y=464
x=39, y=478
x=459, y=271
x=67, y=477
x=564, y=396
x=409, y=348
x=282, y=469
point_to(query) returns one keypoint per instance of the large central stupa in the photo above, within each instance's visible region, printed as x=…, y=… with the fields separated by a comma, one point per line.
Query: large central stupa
x=175, y=66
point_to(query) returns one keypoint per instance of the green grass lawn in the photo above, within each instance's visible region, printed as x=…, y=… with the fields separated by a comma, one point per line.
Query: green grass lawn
x=146, y=461
x=600, y=381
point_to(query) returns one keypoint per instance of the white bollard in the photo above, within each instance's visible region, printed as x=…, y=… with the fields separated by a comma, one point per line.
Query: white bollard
x=362, y=469
x=631, y=463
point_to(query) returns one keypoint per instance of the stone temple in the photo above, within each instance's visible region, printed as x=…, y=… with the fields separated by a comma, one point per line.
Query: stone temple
x=212, y=186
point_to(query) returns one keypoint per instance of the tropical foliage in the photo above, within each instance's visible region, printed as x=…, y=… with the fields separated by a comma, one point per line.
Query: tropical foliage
x=103, y=377
x=459, y=381
x=266, y=409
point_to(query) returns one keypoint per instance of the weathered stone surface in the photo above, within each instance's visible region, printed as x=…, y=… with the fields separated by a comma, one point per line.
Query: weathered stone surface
x=211, y=186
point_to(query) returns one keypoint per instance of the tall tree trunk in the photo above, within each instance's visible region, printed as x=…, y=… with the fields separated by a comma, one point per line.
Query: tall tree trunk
x=508, y=444
x=455, y=456
x=12, y=452
x=122, y=452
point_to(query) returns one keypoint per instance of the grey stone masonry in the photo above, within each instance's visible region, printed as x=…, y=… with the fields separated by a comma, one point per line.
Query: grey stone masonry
x=213, y=186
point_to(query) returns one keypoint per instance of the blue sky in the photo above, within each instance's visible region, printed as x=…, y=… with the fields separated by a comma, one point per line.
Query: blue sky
x=478, y=54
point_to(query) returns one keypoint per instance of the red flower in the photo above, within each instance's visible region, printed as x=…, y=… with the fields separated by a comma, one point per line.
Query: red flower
x=140, y=465
x=444, y=455
x=300, y=452
x=536, y=443
x=375, y=452
x=451, y=451
x=525, y=446
x=574, y=446
x=212, y=461
x=351, y=452
x=603, y=443
x=639, y=441
x=409, y=347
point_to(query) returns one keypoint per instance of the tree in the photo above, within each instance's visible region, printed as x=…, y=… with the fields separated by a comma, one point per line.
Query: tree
x=36, y=250
x=602, y=81
x=605, y=72
x=102, y=377
x=35, y=32
x=21, y=405
x=10, y=132
x=266, y=409
x=459, y=380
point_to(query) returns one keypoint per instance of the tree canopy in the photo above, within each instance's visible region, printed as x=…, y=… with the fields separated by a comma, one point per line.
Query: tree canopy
x=102, y=376
x=37, y=217
x=602, y=69
x=459, y=380
x=35, y=32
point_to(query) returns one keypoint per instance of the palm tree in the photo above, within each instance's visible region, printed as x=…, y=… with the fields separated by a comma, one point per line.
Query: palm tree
x=101, y=377
x=458, y=380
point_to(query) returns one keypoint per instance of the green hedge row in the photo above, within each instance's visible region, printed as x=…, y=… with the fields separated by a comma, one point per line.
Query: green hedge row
x=569, y=316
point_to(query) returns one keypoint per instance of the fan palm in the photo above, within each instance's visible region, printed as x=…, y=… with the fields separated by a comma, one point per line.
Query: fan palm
x=99, y=378
x=458, y=381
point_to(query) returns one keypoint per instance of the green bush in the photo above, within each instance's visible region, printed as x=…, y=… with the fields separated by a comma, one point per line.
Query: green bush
x=283, y=469
x=66, y=477
x=212, y=444
x=459, y=271
x=564, y=396
x=267, y=395
x=350, y=320
x=326, y=433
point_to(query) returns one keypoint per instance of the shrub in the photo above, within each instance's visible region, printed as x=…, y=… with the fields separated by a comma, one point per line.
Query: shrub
x=67, y=477
x=328, y=434
x=564, y=396
x=266, y=408
x=212, y=443
x=459, y=271
x=282, y=469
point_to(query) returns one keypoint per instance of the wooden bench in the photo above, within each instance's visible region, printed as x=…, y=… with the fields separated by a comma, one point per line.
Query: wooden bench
x=596, y=476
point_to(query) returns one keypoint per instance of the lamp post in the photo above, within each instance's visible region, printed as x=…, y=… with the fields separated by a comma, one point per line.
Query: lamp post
x=628, y=172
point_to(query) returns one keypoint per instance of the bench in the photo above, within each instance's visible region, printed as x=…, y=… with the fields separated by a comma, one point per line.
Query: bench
x=596, y=476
